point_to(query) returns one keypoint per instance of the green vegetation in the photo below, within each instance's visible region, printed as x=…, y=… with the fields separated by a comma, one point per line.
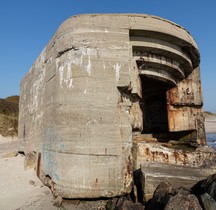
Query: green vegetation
x=209, y=113
x=9, y=112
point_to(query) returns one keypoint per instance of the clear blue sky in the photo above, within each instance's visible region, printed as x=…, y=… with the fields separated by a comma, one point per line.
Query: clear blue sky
x=26, y=26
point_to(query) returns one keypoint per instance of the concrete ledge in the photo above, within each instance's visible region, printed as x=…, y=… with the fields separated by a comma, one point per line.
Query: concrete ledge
x=178, y=176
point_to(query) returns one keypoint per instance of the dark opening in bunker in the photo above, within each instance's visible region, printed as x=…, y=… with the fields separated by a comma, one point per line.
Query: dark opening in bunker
x=155, y=114
x=154, y=105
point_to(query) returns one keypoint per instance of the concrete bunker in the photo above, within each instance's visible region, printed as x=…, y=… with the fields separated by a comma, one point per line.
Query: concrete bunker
x=103, y=85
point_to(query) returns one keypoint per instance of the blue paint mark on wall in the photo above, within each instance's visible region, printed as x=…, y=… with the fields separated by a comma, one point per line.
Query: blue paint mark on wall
x=49, y=155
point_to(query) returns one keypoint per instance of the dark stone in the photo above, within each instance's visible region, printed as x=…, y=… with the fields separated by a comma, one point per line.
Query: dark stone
x=168, y=198
x=183, y=201
x=208, y=202
x=111, y=204
x=163, y=189
x=129, y=205
x=121, y=200
x=209, y=186
x=206, y=186
x=163, y=193
x=205, y=190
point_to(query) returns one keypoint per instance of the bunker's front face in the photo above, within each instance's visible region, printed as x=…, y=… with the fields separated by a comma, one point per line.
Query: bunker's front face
x=101, y=80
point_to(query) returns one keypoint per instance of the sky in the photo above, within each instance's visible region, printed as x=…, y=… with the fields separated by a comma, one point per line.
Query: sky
x=26, y=26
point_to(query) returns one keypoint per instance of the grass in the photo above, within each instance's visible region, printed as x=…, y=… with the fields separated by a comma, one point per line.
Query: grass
x=209, y=113
x=9, y=112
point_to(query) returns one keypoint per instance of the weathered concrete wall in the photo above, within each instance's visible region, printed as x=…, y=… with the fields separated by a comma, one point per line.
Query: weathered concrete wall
x=179, y=165
x=80, y=101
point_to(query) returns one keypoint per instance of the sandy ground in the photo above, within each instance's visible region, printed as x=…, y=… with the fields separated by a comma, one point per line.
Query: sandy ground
x=210, y=124
x=20, y=189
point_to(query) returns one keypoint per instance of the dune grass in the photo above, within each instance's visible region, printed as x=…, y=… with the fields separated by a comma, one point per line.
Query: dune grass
x=9, y=112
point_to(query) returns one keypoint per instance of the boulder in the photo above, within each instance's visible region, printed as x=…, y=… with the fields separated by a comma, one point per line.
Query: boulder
x=129, y=205
x=161, y=196
x=183, y=200
x=110, y=205
x=209, y=186
x=205, y=190
x=166, y=197
x=208, y=202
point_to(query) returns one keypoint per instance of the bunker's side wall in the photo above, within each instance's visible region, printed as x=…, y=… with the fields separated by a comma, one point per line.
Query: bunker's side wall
x=70, y=111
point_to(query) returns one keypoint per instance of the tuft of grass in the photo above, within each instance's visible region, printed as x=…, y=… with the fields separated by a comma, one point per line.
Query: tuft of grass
x=9, y=106
x=13, y=99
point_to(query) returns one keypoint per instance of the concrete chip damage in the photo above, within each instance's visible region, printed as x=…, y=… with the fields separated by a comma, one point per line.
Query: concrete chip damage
x=110, y=96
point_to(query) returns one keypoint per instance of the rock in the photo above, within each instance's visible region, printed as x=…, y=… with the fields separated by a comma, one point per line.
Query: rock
x=183, y=201
x=208, y=202
x=30, y=160
x=209, y=186
x=161, y=196
x=166, y=197
x=111, y=204
x=31, y=182
x=206, y=192
x=129, y=205
x=163, y=189
x=58, y=201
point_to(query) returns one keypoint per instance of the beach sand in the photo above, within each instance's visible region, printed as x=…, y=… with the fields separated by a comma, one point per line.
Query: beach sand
x=20, y=189
x=210, y=124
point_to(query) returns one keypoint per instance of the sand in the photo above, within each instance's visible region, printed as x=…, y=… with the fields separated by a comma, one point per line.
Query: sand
x=20, y=189
x=210, y=124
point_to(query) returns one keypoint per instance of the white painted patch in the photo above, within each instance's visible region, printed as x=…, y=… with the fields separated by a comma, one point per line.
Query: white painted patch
x=64, y=66
x=38, y=116
x=69, y=76
x=106, y=30
x=88, y=67
x=71, y=83
x=117, y=68
x=104, y=66
x=66, y=79
x=61, y=75
x=85, y=91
